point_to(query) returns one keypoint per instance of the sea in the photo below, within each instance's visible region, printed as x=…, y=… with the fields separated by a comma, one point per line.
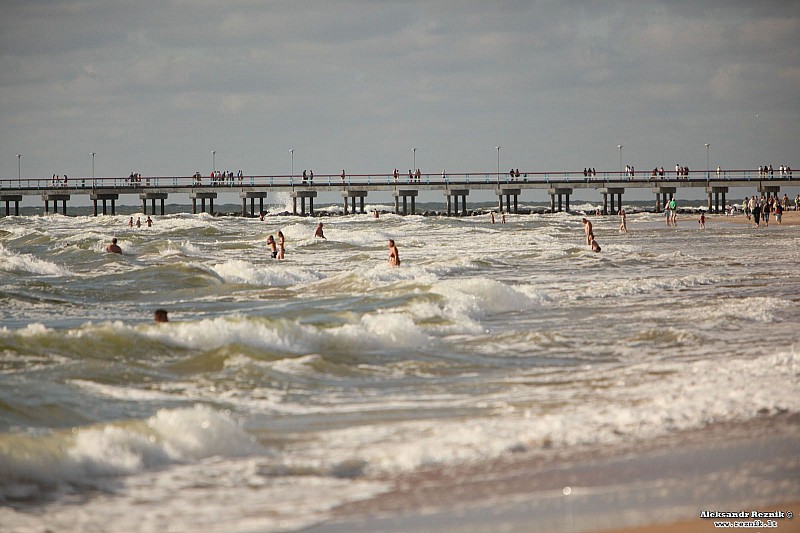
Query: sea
x=282, y=389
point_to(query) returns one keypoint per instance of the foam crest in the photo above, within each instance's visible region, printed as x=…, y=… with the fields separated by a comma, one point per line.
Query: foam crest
x=478, y=297
x=239, y=271
x=87, y=456
x=13, y=262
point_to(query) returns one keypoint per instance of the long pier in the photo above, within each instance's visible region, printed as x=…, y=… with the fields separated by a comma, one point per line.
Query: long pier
x=405, y=189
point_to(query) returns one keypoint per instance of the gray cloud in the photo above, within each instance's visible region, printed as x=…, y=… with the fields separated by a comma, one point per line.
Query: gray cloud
x=357, y=84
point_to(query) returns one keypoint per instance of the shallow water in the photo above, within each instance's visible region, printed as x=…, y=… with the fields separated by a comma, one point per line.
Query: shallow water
x=282, y=388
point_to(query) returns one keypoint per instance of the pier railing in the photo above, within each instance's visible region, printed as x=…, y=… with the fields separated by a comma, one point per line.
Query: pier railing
x=129, y=184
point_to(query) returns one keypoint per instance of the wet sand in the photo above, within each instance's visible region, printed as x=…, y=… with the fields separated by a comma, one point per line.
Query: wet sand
x=789, y=218
x=649, y=486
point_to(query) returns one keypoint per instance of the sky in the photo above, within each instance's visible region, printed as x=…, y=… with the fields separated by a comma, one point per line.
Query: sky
x=154, y=87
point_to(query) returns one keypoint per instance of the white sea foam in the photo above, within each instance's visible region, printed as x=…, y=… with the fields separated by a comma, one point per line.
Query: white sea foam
x=87, y=455
x=276, y=274
x=13, y=262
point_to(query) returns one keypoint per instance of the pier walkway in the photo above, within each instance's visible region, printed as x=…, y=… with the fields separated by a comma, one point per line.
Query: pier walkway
x=455, y=188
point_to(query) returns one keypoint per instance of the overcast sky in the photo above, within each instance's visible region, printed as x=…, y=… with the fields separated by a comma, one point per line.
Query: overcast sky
x=153, y=87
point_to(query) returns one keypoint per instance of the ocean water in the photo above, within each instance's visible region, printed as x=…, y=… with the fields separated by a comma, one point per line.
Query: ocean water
x=281, y=389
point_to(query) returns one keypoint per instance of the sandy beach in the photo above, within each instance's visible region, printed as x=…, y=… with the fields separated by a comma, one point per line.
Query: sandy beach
x=645, y=487
x=789, y=218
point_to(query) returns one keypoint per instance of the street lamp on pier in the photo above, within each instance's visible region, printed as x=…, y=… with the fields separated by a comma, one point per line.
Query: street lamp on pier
x=93, y=154
x=498, y=163
x=19, y=170
x=291, y=151
x=708, y=171
x=620, y=159
x=414, y=167
x=214, y=161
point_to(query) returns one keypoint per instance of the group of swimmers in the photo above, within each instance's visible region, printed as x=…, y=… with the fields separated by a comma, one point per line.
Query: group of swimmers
x=149, y=222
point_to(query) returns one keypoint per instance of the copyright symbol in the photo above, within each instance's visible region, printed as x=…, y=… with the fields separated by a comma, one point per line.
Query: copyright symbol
x=789, y=515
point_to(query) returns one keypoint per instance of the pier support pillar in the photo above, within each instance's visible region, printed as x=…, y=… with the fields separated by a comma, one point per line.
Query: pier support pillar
x=614, y=193
x=303, y=195
x=663, y=195
x=349, y=196
x=769, y=189
x=104, y=197
x=8, y=198
x=562, y=193
x=509, y=194
x=55, y=197
x=202, y=196
x=405, y=194
x=252, y=195
x=153, y=196
x=455, y=194
x=714, y=194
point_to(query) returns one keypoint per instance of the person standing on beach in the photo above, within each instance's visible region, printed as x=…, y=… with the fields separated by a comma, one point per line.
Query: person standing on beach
x=756, y=209
x=623, y=222
x=273, y=248
x=281, y=245
x=702, y=220
x=587, y=229
x=778, y=212
x=491, y=216
x=394, y=255
x=765, y=209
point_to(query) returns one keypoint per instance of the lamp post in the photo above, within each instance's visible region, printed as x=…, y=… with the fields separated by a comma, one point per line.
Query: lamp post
x=291, y=151
x=19, y=170
x=414, y=166
x=620, y=159
x=498, y=163
x=708, y=175
x=213, y=160
x=93, y=154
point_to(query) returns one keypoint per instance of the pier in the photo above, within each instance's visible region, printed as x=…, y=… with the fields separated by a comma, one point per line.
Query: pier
x=355, y=188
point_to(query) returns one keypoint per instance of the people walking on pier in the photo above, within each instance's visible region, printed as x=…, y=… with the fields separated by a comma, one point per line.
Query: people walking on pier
x=311, y=177
x=281, y=245
x=394, y=255
x=418, y=175
x=273, y=248
x=305, y=177
x=395, y=174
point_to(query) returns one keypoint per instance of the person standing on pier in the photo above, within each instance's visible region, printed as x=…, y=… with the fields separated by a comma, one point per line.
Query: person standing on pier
x=343, y=176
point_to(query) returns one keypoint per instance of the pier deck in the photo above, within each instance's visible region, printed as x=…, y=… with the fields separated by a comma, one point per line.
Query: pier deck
x=358, y=186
